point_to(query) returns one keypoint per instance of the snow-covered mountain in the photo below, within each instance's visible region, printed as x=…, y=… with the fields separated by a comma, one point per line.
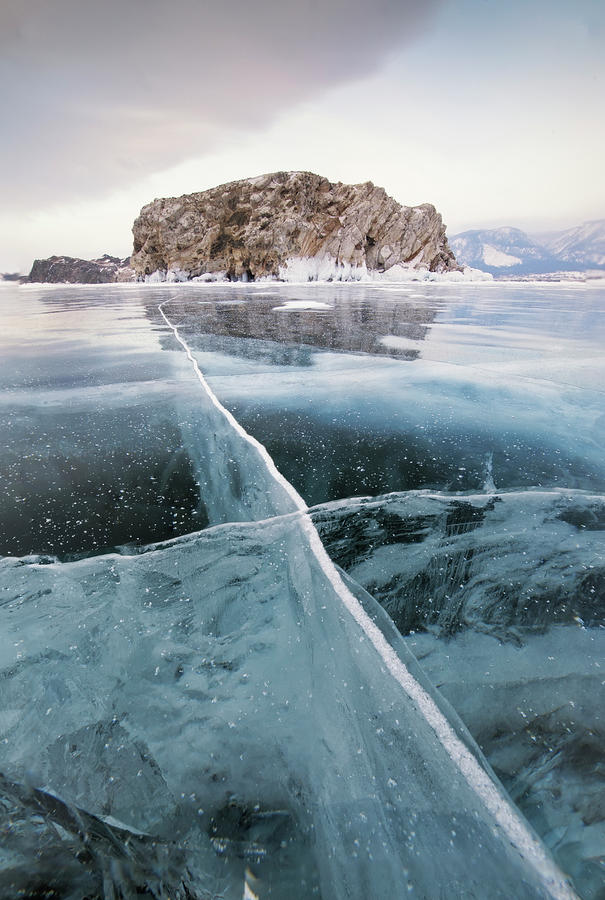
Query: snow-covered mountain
x=510, y=251
x=501, y=249
x=584, y=244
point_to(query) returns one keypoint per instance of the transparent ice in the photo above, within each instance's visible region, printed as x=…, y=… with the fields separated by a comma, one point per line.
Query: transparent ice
x=223, y=712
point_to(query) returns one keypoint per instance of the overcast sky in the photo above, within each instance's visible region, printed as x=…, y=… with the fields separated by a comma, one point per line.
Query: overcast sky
x=491, y=110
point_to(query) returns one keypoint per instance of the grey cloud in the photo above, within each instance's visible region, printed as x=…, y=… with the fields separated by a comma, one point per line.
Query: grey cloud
x=99, y=93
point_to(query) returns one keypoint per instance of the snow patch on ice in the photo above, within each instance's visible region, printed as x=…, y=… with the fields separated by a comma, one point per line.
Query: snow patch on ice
x=401, y=273
x=290, y=305
x=394, y=342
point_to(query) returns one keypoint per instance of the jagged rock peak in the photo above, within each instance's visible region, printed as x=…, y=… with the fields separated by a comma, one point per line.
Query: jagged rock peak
x=255, y=227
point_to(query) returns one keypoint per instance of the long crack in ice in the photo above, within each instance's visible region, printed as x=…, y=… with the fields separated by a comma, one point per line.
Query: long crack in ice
x=478, y=779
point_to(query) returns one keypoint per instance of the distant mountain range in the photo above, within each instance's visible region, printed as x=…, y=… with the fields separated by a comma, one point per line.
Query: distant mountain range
x=510, y=251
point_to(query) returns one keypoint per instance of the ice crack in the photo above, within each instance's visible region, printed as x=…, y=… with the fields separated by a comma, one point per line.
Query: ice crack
x=490, y=793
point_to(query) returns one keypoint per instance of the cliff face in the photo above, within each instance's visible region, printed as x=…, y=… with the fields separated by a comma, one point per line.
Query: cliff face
x=71, y=270
x=251, y=228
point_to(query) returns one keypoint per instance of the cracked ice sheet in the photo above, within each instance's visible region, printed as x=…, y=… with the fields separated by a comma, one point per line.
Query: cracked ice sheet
x=517, y=373
x=539, y=434
x=221, y=669
x=501, y=598
x=369, y=776
x=230, y=690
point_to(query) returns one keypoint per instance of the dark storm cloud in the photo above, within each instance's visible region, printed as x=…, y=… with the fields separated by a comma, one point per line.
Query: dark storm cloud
x=97, y=93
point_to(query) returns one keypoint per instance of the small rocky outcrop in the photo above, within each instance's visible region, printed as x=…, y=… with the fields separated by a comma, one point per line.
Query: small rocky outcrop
x=253, y=228
x=70, y=270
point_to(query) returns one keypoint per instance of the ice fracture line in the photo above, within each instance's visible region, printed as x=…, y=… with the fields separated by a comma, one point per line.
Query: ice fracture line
x=480, y=782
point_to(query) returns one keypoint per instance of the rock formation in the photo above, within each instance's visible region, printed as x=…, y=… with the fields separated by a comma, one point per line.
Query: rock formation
x=253, y=228
x=61, y=269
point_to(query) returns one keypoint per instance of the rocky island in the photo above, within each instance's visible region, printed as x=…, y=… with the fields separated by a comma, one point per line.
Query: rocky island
x=71, y=270
x=286, y=225
x=261, y=227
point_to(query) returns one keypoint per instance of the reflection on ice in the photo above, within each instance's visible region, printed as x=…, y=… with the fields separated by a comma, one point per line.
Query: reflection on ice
x=339, y=321
x=521, y=384
x=92, y=454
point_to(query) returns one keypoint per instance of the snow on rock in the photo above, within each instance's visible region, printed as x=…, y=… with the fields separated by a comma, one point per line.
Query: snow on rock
x=326, y=269
x=494, y=257
x=320, y=268
x=305, y=271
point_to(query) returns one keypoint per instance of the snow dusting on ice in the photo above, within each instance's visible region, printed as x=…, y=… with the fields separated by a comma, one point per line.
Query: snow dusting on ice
x=301, y=304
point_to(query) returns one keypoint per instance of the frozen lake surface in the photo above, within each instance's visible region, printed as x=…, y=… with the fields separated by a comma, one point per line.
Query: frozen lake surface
x=198, y=700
